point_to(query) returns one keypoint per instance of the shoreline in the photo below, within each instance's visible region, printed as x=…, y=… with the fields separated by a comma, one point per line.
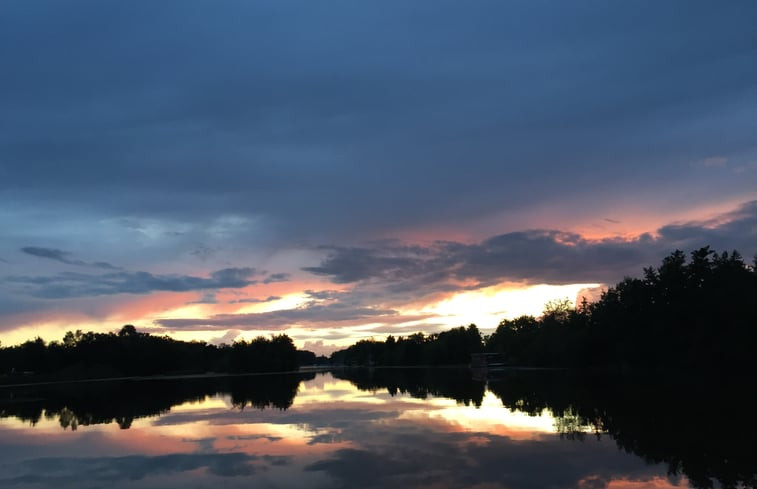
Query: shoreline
x=143, y=378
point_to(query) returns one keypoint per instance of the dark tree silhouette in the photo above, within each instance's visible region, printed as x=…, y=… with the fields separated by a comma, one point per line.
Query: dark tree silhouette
x=683, y=315
x=453, y=383
x=129, y=353
x=453, y=347
x=121, y=402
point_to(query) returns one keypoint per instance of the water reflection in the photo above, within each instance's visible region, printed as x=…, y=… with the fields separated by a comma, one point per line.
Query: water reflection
x=374, y=428
x=75, y=404
x=420, y=383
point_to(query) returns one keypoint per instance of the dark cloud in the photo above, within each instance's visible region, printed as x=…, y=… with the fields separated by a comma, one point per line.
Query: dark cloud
x=311, y=313
x=63, y=257
x=206, y=298
x=277, y=277
x=253, y=300
x=420, y=456
x=204, y=445
x=540, y=256
x=414, y=112
x=69, y=284
x=347, y=265
x=324, y=294
x=325, y=438
x=70, y=470
x=236, y=276
x=254, y=437
x=202, y=252
x=50, y=253
x=734, y=230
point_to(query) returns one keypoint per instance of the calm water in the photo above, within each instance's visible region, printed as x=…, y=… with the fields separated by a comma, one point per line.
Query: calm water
x=383, y=428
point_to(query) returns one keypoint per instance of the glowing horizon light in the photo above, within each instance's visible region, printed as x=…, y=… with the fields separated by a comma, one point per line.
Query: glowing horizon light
x=487, y=307
x=490, y=417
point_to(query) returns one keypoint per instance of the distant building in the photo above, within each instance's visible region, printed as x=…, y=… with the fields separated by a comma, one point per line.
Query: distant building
x=488, y=361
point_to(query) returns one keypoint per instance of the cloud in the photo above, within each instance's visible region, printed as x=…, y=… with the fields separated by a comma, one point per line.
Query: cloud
x=69, y=284
x=403, y=329
x=326, y=308
x=272, y=137
x=394, y=273
x=227, y=338
x=50, y=253
x=254, y=437
x=591, y=294
x=68, y=471
x=324, y=294
x=540, y=256
x=253, y=300
x=537, y=256
x=277, y=277
x=62, y=256
x=202, y=252
x=310, y=314
x=206, y=298
x=319, y=347
x=456, y=459
x=256, y=123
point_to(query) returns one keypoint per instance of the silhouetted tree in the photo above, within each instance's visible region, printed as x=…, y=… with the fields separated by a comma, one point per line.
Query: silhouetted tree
x=682, y=315
x=129, y=352
x=452, y=347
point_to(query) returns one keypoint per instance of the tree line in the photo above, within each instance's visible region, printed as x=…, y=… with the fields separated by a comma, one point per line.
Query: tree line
x=447, y=348
x=696, y=313
x=130, y=353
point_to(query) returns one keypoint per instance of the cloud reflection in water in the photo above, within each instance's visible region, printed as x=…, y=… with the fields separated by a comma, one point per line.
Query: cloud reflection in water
x=332, y=435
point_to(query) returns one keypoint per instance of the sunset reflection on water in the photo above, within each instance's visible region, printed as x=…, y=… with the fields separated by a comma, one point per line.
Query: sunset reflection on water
x=332, y=435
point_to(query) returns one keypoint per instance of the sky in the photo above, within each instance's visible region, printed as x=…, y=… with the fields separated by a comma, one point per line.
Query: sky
x=344, y=170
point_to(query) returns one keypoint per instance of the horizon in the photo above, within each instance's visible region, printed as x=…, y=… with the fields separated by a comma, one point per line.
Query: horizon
x=334, y=174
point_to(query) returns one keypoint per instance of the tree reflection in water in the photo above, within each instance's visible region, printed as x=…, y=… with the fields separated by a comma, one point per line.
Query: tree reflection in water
x=121, y=402
x=697, y=428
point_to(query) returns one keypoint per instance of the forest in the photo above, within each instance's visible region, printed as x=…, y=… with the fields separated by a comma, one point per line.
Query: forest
x=130, y=353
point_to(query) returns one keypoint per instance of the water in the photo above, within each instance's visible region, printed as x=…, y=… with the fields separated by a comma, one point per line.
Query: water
x=363, y=429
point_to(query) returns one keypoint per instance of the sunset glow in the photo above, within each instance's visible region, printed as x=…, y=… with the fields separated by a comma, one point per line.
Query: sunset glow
x=213, y=439
x=410, y=244
x=391, y=179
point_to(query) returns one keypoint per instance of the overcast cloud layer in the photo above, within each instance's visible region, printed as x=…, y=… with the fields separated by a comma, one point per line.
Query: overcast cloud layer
x=201, y=146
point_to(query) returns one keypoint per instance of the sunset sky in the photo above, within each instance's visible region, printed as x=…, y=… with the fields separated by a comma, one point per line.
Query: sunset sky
x=342, y=170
